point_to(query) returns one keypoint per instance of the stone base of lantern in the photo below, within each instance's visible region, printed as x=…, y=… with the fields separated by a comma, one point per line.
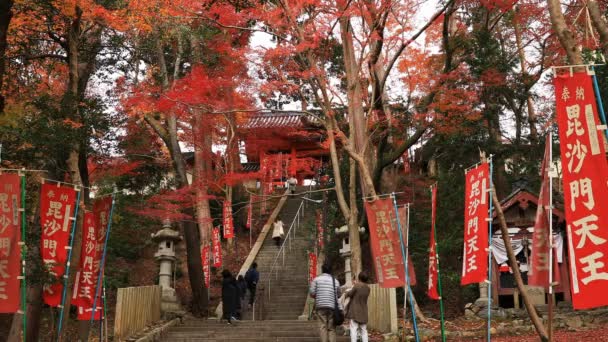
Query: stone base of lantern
x=169, y=304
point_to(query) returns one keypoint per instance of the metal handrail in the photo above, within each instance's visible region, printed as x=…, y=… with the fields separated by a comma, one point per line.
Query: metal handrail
x=292, y=227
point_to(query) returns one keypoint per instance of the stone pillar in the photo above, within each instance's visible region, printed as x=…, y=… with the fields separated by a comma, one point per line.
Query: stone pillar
x=166, y=239
x=482, y=301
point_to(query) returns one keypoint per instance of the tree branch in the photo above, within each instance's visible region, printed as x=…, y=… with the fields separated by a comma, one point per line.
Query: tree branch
x=405, y=44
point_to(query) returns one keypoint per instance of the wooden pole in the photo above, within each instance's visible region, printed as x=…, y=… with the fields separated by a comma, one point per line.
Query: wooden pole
x=404, y=254
x=540, y=329
x=550, y=174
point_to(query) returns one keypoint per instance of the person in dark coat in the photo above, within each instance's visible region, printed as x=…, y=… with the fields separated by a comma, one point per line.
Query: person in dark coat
x=230, y=297
x=241, y=285
x=252, y=277
x=357, y=308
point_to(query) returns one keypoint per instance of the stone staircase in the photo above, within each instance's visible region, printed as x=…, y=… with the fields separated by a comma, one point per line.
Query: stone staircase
x=246, y=331
x=288, y=293
x=289, y=284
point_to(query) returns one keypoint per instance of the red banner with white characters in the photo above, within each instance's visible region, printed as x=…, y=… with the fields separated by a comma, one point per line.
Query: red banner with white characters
x=206, y=266
x=312, y=266
x=10, y=236
x=475, y=254
x=101, y=209
x=385, y=243
x=320, y=232
x=85, y=313
x=249, y=213
x=585, y=171
x=433, y=261
x=406, y=162
x=404, y=231
x=538, y=275
x=85, y=284
x=216, y=247
x=57, y=205
x=228, y=223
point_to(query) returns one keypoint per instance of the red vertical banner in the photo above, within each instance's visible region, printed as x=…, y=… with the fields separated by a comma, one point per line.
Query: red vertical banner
x=538, y=275
x=227, y=221
x=57, y=205
x=217, y=247
x=585, y=171
x=10, y=236
x=249, y=213
x=383, y=240
x=85, y=313
x=206, y=266
x=320, y=231
x=86, y=278
x=312, y=266
x=406, y=162
x=475, y=254
x=433, y=265
x=404, y=231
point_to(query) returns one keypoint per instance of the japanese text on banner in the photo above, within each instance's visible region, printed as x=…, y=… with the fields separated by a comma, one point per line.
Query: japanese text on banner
x=404, y=233
x=387, y=259
x=312, y=266
x=249, y=213
x=475, y=254
x=228, y=222
x=538, y=275
x=86, y=278
x=433, y=262
x=206, y=268
x=585, y=172
x=10, y=236
x=217, y=247
x=57, y=204
x=320, y=232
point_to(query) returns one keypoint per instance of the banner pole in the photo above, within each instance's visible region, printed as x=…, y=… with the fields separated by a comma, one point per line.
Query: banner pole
x=438, y=273
x=489, y=281
x=23, y=258
x=550, y=142
x=407, y=229
x=66, y=275
x=404, y=254
x=600, y=105
x=103, y=260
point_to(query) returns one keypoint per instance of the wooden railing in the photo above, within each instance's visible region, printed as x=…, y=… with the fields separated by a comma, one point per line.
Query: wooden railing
x=136, y=307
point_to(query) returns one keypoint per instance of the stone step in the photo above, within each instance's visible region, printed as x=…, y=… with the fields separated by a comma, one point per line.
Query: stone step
x=262, y=339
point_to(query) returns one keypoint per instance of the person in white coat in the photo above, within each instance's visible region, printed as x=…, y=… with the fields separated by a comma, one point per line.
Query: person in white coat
x=277, y=231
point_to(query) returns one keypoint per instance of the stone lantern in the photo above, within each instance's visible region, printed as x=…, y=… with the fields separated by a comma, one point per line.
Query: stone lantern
x=346, y=253
x=166, y=238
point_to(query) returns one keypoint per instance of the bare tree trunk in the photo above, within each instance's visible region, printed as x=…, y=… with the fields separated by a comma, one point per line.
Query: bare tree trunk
x=538, y=325
x=532, y=120
x=333, y=153
x=356, y=114
x=14, y=334
x=6, y=14
x=70, y=108
x=600, y=25
x=565, y=35
x=203, y=211
x=353, y=225
x=169, y=135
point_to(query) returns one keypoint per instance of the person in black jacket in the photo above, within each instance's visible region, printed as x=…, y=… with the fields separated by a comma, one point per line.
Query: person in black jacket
x=230, y=297
x=252, y=277
x=241, y=285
